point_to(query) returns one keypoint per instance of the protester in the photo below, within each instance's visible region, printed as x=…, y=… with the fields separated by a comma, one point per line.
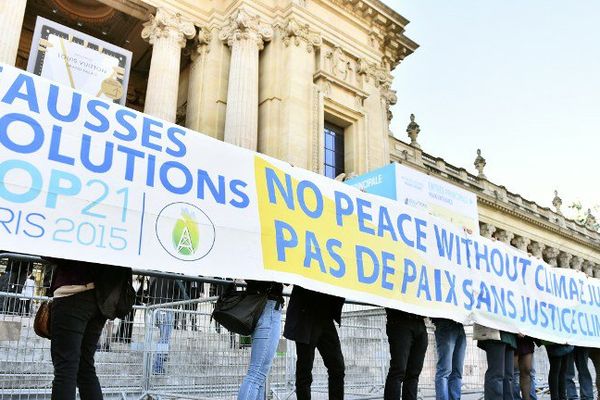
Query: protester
x=524, y=373
x=559, y=355
x=310, y=323
x=265, y=339
x=27, y=293
x=499, y=347
x=579, y=359
x=450, y=343
x=595, y=357
x=76, y=327
x=164, y=290
x=407, y=336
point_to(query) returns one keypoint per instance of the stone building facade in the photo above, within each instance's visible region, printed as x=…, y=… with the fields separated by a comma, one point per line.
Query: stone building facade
x=306, y=81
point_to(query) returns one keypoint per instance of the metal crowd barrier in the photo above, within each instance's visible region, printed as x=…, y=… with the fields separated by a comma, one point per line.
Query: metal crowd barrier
x=169, y=348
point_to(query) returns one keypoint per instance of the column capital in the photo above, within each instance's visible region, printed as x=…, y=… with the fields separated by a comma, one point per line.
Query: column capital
x=550, y=255
x=576, y=263
x=200, y=43
x=564, y=259
x=296, y=33
x=537, y=249
x=504, y=236
x=244, y=26
x=486, y=230
x=168, y=25
x=587, y=267
x=521, y=243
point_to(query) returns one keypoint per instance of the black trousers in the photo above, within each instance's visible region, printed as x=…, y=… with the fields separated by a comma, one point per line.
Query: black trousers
x=329, y=346
x=499, y=375
x=557, y=376
x=76, y=327
x=408, y=345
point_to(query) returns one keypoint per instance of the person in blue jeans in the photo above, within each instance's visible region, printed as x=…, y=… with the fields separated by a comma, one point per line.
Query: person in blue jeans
x=265, y=339
x=524, y=377
x=164, y=320
x=451, y=343
x=579, y=359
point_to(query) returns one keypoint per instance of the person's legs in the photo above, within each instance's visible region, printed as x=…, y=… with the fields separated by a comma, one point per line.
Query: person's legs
x=517, y=379
x=330, y=349
x=532, y=392
x=594, y=354
x=507, y=381
x=444, y=344
x=524, y=368
x=414, y=364
x=70, y=316
x=586, y=387
x=494, y=375
x=305, y=357
x=554, y=376
x=570, y=377
x=87, y=380
x=562, y=376
x=458, y=361
x=400, y=340
x=164, y=320
x=264, y=345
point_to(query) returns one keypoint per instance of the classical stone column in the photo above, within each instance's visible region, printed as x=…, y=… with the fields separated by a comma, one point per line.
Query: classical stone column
x=564, y=260
x=550, y=255
x=576, y=263
x=196, y=81
x=11, y=21
x=521, y=243
x=588, y=268
x=167, y=33
x=486, y=230
x=246, y=36
x=596, y=271
x=537, y=249
x=504, y=236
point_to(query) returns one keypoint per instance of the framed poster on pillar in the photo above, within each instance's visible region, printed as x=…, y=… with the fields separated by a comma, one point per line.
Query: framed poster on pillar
x=80, y=61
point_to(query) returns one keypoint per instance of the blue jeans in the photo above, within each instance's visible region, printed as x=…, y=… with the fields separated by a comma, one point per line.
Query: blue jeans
x=264, y=345
x=164, y=321
x=517, y=383
x=451, y=343
x=579, y=360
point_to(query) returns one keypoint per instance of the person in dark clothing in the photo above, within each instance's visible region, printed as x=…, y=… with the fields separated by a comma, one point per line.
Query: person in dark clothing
x=310, y=323
x=265, y=339
x=77, y=324
x=500, y=355
x=407, y=336
x=559, y=356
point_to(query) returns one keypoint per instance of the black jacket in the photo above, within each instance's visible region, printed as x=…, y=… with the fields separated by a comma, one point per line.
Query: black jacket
x=308, y=312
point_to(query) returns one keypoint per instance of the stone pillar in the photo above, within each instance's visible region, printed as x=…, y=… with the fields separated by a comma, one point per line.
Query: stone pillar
x=486, y=230
x=550, y=255
x=11, y=21
x=536, y=249
x=588, y=268
x=505, y=236
x=576, y=263
x=596, y=271
x=246, y=36
x=521, y=243
x=196, y=81
x=167, y=33
x=564, y=260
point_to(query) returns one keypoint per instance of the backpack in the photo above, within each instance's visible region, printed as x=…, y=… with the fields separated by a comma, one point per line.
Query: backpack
x=114, y=291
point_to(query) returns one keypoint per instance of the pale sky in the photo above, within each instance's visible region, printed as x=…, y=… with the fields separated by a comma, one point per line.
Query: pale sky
x=518, y=79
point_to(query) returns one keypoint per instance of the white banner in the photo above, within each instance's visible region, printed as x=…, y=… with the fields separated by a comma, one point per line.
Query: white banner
x=86, y=179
